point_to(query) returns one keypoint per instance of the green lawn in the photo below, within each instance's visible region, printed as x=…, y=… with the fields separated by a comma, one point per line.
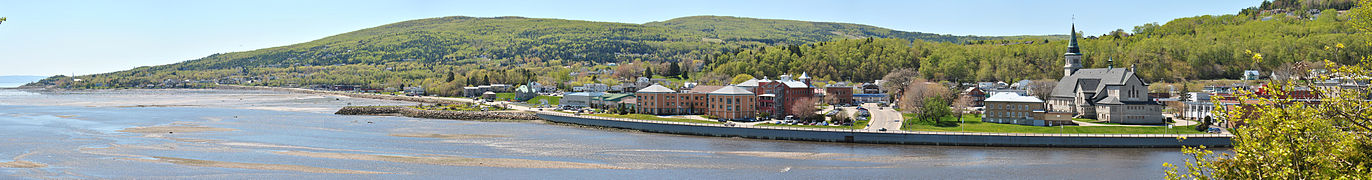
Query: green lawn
x=552, y=100
x=655, y=118
x=974, y=124
x=458, y=107
x=856, y=125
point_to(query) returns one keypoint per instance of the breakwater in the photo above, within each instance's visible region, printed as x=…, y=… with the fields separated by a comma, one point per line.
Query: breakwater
x=900, y=137
x=434, y=114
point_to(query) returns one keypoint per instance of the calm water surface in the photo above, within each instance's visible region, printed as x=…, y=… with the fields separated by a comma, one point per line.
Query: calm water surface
x=274, y=135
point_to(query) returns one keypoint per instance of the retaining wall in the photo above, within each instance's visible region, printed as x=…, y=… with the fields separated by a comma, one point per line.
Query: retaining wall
x=434, y=114
x=923, y=138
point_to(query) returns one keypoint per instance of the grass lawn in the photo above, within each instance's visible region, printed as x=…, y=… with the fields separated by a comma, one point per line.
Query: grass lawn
x=655, y=118
x=856, y=125
x=459, y=107
x=552, y=100
x=974, y=124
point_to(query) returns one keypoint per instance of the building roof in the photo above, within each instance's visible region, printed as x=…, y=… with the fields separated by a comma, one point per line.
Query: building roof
x=731, y=90
x=704, y=89
x=1012, y=97
x=1091, y=80
x=524, y=88
x=587, y=94
x=795, y=84
x=868, y=95
x=614, y=96
x=753, y=82
x=655, y=88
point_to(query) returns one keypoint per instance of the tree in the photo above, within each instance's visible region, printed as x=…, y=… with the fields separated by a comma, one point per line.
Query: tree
x=804, y=108
x=1286, y=139
x=895, y=81
x=960, y=106
x=1361, y=17
x=1043, y=88
x=673, y=70
x=934, y=109
x=648, y=72
x=740, y=78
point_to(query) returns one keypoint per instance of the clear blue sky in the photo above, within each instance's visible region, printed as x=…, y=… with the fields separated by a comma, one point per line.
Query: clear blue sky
x=50, y=37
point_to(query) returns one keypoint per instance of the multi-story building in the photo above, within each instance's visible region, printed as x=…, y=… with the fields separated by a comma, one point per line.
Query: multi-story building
x=839, y=93
x=732, y=102
x=1111, y=94
x=1011, y=108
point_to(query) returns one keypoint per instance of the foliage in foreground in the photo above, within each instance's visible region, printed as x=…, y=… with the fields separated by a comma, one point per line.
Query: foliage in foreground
x=1295, y=140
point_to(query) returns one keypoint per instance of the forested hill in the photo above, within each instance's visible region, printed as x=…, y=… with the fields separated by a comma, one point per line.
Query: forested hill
x=469, y=47
x=459, y=40
x=777, y=31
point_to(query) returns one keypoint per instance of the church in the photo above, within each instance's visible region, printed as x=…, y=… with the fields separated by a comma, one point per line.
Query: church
x=1114, y=95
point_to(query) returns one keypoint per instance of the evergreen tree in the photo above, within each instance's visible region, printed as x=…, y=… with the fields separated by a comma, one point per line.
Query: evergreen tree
x=648, y=72
x=673, y=70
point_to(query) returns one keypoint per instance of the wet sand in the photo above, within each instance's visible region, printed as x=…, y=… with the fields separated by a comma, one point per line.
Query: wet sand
x=456, y=161
x=19, y=163
x=445, y=136
x=174, y=129
x=258, y=166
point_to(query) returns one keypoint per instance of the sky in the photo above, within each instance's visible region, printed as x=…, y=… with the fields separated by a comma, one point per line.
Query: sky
x=51, y=37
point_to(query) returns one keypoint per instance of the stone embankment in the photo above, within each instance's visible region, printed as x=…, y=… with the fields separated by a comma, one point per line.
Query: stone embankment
x=435, y=114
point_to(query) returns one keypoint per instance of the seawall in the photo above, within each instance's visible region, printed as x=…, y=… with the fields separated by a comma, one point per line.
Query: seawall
x=434, y=114
x=903, y=137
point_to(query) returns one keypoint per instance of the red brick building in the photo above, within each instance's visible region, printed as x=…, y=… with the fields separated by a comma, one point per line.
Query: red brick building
x=732, y=102
x=838, y=94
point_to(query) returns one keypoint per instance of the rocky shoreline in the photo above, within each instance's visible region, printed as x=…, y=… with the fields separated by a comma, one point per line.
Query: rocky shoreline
x=435, y=114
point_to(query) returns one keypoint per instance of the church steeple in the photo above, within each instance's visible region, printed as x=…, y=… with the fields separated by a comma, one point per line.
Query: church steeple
x=1072, y=59
x=1072, y=45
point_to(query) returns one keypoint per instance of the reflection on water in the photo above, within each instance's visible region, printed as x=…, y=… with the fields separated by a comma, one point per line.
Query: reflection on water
x=257, y=134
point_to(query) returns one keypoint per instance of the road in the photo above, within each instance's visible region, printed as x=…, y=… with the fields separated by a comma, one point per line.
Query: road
x=883, y=117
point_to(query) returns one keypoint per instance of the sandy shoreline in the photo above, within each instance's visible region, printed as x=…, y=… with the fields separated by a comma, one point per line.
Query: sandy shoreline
x=174, y=129
x=455, y=160
x=445, y=136
x=258, y=166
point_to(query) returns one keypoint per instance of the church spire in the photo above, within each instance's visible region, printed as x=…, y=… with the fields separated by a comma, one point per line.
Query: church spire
x=1072, y=44
x=1072, y=59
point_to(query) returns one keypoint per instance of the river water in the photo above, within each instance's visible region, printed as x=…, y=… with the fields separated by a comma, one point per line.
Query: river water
x=238, y=134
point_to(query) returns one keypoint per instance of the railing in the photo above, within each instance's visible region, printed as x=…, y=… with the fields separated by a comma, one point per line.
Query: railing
x=896, y=132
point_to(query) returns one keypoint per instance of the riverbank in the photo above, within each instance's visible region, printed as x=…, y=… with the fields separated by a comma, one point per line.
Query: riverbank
x=900, y=137
x=820, y=134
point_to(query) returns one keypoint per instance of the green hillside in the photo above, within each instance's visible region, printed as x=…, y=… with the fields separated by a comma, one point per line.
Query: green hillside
x=459, y=50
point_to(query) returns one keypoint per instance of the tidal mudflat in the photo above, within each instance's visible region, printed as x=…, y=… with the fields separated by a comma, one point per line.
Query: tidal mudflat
x=239, y=134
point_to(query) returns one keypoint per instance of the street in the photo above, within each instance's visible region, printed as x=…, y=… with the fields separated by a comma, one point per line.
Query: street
x=883, y=117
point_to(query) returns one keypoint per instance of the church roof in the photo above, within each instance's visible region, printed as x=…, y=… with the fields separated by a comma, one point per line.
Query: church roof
x=1091, y=80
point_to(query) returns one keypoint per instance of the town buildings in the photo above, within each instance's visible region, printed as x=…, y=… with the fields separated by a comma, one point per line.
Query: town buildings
x=1114, y=95
x=838, y=94
x=1011, y=108
x=732, y=102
